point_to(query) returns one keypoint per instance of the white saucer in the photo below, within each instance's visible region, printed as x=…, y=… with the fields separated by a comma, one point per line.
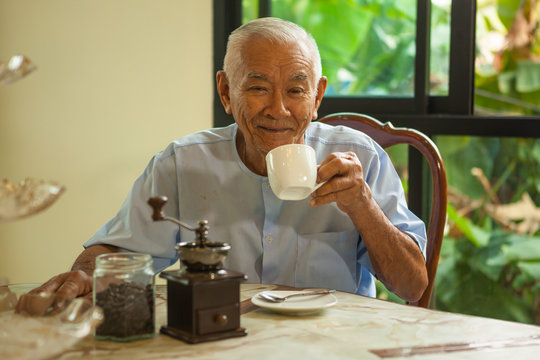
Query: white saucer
x=300, y=305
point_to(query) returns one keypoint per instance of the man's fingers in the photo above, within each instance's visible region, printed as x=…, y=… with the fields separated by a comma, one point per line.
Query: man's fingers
x=20, y=304
x=76, y=284
x=36, y=304
x=75, y=287
x=52, y=284
x=57, y=292
x=337, y=165
x=323, y=199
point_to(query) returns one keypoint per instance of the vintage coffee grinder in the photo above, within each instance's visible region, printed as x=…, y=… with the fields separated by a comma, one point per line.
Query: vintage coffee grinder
x=203, y=299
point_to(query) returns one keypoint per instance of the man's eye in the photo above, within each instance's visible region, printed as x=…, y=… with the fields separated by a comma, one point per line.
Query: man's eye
x=296, y=91
x=257, y=88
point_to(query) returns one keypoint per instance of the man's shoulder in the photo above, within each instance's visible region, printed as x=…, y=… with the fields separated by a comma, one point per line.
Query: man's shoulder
x=208, y=136
x=337, y=135
x=199, y=139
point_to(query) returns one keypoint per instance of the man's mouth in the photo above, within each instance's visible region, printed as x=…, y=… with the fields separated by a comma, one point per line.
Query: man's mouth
x=274, y=130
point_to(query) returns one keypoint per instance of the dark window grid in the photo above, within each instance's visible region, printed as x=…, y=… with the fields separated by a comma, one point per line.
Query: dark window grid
x=433, y=115
x=228, y=16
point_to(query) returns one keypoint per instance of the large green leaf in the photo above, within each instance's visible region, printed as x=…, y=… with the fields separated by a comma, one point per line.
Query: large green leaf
x=523, y=250
x=530, y=269
x=507, y=11
x=527, y=76
x=461, y=157
x=490, y=259
x=466, y=291
x=507, y=82
x=475, y=234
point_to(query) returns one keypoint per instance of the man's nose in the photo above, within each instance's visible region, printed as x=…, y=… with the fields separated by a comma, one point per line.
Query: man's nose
x=276, y=108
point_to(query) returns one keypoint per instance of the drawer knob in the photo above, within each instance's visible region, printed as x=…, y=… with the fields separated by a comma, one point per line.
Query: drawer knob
x=222, y=319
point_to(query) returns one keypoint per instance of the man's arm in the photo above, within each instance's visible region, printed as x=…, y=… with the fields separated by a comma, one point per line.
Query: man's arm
x=86, y=261
x=395, y=256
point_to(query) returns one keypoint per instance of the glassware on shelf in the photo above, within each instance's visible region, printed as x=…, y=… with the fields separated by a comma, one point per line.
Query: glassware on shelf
x=39, y=330
x=17, y=67
x=26, y=198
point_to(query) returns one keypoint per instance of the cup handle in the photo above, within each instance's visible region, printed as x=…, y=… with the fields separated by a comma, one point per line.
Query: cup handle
x=319, y=185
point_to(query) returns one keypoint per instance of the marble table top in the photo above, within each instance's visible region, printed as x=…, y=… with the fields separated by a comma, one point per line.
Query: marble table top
x=356, y=327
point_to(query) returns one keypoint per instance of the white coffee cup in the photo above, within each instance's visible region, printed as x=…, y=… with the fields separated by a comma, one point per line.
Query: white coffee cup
x=292, y=171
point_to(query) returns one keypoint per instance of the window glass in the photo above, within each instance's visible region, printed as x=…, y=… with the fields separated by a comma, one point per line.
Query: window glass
x=508, y=57
x=490, y=258
x=399, y=154
x=367, y=47
x=439, y=47
x=250, y=10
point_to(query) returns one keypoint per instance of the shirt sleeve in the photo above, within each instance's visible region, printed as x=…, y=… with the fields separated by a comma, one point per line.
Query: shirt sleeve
x=387, y=190
x=132, y=229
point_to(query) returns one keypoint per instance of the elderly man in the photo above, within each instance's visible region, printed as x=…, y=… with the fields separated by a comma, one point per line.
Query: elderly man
x=354, y=227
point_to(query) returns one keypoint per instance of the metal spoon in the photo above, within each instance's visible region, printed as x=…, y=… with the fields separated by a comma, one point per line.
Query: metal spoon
x=278, y=299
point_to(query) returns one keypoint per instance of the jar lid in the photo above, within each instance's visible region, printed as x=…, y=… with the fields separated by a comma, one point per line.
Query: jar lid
x=123, y=261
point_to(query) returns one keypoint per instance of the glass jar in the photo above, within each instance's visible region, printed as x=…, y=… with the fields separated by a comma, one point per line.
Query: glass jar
x=124, y=290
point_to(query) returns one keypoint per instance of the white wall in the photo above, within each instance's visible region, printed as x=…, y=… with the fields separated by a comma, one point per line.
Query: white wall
x=117, y=80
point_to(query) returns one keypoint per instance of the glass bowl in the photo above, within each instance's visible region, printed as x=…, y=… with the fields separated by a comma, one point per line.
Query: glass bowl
x=43, y=325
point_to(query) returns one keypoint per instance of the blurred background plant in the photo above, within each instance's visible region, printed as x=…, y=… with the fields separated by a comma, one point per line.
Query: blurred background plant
x=508, y=57
x=490, y=260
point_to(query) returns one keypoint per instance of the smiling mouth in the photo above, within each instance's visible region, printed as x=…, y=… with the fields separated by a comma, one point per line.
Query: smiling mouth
x=274, y=130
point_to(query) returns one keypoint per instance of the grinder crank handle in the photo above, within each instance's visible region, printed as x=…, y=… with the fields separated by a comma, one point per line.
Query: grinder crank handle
x=157, y=204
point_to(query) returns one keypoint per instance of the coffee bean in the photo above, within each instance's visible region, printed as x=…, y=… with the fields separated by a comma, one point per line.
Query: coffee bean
x=128, y=310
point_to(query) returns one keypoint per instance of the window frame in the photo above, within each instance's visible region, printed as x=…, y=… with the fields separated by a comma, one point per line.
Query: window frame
x=451, y=114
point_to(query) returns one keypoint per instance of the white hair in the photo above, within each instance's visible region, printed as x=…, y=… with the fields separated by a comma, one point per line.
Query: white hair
x=275, y=30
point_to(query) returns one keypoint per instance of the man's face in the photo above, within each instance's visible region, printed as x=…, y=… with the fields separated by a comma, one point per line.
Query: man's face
x=274, y=96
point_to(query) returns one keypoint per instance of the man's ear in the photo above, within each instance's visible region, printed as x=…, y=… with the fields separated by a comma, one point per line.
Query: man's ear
x=321, y=88
x=223, y=90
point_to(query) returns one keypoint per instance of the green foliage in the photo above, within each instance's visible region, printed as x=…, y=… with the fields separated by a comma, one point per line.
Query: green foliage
x=508, y=73
x=463, y=153
x=506, y=10
x=527, y=76
x=512, y=165
x=484, y=269
x=366, y=46
x=384, y=294
x=497, y=277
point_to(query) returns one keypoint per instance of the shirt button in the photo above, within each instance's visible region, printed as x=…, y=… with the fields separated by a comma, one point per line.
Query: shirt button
x=269, y=239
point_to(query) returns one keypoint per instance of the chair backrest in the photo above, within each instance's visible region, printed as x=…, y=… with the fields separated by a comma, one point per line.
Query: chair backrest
x=387, y=135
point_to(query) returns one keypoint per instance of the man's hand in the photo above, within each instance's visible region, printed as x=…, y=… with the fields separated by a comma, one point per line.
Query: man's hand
x=345, y=186
x=65, y=287
x=61, y=289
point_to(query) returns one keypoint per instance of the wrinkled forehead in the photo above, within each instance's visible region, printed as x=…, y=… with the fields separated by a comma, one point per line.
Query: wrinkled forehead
x=264, y=59
x=298, y=76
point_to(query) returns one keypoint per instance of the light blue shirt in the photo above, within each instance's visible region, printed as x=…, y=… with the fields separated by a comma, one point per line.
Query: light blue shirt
x=273, y=241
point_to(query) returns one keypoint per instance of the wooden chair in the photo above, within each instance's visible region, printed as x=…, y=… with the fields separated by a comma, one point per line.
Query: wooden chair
x=387, y=135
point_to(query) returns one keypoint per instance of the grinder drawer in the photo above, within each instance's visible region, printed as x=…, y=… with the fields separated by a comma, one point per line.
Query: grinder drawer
x=222, y=318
